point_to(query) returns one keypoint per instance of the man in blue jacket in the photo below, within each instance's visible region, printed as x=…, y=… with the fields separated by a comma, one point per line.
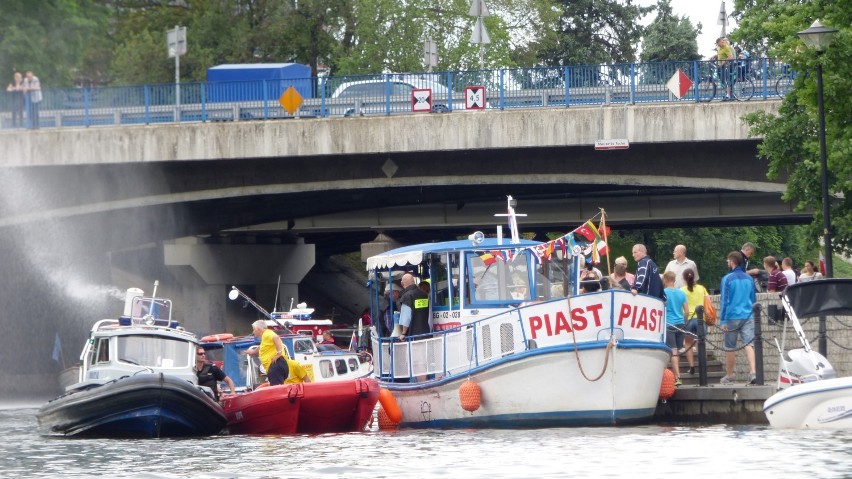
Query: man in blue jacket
x=648, y=279
x=736, y=316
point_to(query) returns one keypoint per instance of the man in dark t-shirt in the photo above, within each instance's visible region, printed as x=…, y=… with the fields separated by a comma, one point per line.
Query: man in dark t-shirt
x=209, y=374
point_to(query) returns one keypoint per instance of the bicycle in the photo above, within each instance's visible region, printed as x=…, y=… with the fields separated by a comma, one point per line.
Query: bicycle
x=785, y=82
x=742, y=87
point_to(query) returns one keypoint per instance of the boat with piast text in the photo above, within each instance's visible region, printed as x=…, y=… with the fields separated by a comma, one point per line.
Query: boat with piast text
x=137, y=379
x=340, y=396
x=810, y=395
x=513, y=343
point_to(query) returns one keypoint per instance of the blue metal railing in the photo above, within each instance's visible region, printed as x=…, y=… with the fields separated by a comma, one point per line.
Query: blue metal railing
x=386, y=94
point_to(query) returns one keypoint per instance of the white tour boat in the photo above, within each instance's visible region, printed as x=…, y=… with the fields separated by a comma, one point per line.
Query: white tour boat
x=513, y=343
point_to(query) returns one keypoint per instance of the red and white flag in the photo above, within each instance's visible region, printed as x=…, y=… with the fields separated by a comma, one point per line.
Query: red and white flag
x=821, y=264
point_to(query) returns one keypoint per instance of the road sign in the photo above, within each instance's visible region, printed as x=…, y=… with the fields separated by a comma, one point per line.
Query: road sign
x=479, y=34
x=421, y=100
x=430, y=54
x=679, y=84
x=474, y=97
x=290, y=100
x=176, y=41
x=615, y=144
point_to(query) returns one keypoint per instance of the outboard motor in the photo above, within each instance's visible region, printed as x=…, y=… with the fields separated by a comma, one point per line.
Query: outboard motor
x=797, y=367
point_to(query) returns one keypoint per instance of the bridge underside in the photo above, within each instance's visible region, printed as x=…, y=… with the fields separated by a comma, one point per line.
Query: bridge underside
x=339, y=201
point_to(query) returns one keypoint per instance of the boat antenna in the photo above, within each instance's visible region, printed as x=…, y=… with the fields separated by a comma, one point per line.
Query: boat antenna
x=236, y=293
x=277, y=290
x=150, y=318
x=513, y=218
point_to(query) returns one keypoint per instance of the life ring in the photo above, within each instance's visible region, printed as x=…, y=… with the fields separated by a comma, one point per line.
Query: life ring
x=217, y=337
x=390, y=406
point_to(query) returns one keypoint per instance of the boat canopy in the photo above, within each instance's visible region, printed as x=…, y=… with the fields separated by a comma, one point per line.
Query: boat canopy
x=820, y=297
x=413, y=255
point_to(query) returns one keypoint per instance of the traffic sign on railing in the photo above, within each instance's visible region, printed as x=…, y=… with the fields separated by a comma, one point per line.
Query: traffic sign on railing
x=474, y=98
x=421, y=100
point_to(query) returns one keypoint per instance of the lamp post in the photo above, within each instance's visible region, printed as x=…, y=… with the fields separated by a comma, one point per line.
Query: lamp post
x=819, y=37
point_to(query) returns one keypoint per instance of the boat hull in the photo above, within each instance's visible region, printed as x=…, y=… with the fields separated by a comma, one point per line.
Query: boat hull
x=545, y=388
x=309, y=408
x=824, y=404
x=143, y=405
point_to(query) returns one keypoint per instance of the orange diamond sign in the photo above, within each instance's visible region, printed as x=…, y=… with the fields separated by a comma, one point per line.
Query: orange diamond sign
x=290, y=100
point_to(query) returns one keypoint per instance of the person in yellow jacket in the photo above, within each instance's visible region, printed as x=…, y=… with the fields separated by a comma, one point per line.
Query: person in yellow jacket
x=279, y=368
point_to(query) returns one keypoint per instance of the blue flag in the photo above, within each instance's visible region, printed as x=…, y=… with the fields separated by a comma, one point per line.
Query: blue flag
x=57, y=348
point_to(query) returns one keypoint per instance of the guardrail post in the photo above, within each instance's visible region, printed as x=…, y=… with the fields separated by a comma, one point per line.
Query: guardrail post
x=322, y=82
x=147, y=96
x=566, y=75
x=702, y=346
x=86, y=119
x=387, y=94
x=265, y=100
x=758, y=343
x=632, y=83
x=203, y=87
x=502, y=89
x=450, y=91
x=695, y=80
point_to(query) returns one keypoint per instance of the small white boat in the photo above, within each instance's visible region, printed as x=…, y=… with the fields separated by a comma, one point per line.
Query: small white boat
x=508, y=317
x=810, y=396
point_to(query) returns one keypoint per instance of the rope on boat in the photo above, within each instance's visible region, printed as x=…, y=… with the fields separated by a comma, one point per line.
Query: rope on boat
x=609, y=346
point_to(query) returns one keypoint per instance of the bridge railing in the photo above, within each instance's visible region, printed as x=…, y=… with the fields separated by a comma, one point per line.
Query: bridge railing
x=386, y=94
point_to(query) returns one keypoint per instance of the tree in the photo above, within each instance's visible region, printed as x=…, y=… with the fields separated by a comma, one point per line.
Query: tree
x=62, y=41
x=670, y=37
x=790, y=140
x=596, y=31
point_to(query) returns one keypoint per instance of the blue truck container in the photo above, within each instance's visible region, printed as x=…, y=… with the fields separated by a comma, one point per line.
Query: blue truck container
x=257, y=81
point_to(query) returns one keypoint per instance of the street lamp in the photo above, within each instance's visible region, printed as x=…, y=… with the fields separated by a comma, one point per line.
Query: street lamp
x=819, y=37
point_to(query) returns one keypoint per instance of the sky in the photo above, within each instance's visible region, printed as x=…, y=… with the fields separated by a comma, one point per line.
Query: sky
x=704, y=11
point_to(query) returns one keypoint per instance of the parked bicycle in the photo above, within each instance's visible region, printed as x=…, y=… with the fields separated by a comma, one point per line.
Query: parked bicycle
x=742, y=87
x=785, y=81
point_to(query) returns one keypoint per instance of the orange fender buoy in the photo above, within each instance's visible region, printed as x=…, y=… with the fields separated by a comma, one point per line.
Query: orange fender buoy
x=217, y=337
x=390, y=406
x=470, y=395
x=385, y=423
x=667, y=388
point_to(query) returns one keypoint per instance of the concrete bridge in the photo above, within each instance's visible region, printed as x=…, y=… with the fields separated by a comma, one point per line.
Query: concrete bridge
x=223, y=203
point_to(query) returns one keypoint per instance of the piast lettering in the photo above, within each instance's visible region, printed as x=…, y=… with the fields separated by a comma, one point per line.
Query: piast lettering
x=640, y=317
x=552, y=324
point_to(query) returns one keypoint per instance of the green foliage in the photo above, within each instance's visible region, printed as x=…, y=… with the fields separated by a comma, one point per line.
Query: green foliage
x=670, y=37
x=790, y=139
x=596, y=31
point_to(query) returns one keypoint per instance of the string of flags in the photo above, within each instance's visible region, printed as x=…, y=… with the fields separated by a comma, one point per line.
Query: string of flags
x=587, y=239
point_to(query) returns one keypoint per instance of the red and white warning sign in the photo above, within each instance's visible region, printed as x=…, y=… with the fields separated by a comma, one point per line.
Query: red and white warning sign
x=474, y=98
x=421, y=100
x=679, y=84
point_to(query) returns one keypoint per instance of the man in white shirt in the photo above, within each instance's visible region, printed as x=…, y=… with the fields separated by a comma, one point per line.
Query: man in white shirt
x=789, y=272
x=679, y=264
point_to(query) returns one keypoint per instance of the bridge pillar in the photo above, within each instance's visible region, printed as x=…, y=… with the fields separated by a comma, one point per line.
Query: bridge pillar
x=213, y=268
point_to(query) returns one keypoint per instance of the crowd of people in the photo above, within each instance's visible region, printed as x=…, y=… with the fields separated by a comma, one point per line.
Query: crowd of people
x=24, y=94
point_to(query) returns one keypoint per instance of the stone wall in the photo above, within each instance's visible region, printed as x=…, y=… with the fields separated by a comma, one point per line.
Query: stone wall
x=839, y=340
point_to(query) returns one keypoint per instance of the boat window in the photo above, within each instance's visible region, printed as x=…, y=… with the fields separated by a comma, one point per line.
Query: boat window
x=499, y=278
x=102, y=353
x=340, y=364
x=326, y=368
x=154, y=351
x=446, y=286
x=353, y=364
x=304, y=346
x=158, y=308
x=551, y=276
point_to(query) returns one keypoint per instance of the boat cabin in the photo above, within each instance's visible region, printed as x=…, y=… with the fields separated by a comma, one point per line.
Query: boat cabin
x=144, y=339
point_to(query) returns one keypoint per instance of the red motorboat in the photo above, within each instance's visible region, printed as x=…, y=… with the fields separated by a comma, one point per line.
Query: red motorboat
x=309, y=408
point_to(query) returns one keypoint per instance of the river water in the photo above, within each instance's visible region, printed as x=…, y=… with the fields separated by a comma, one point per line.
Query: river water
x=637, y=451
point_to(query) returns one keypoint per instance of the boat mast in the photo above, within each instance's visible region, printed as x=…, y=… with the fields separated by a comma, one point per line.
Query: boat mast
x=513, y=218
